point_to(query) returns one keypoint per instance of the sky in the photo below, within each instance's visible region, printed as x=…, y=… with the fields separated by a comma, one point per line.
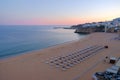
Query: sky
x=57, y=12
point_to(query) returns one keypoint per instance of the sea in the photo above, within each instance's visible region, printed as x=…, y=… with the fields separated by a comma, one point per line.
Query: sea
x=21, y=39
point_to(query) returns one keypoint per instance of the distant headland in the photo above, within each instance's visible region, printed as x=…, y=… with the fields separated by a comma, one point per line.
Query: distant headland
x=107, y=26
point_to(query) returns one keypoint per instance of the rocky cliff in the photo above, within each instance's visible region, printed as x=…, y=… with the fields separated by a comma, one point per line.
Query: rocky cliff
x=107, y=26
x=87, y=30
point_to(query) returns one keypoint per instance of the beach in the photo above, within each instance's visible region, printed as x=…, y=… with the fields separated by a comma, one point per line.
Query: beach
x=32, y=66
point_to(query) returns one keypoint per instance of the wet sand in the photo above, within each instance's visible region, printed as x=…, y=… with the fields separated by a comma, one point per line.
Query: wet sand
x=32, y=66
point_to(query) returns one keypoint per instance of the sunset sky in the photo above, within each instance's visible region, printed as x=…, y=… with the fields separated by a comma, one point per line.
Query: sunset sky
x=57, y=12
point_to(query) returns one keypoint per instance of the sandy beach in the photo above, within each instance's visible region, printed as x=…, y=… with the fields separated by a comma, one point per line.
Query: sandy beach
x=32, y=66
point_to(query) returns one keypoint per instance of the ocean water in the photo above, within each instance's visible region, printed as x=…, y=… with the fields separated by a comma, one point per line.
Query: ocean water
x=16, y=40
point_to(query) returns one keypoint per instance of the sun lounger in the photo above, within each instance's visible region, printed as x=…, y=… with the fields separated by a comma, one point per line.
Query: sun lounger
x=67, y=61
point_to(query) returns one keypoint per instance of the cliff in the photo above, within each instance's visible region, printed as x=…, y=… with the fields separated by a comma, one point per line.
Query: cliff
x=87, y=30
x=107, y=26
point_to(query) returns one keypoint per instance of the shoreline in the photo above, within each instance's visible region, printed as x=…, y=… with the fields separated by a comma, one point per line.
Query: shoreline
x=16, y=46
x=35, y=51
x=32, y=66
